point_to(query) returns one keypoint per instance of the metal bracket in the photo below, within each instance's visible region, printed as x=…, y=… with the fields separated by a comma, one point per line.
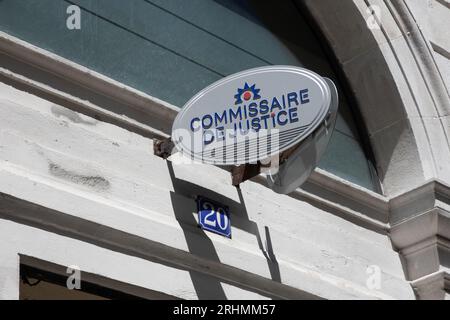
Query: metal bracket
x=244, y=172
x=163, y=148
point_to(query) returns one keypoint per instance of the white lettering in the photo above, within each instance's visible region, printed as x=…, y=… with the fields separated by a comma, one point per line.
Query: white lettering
x=74, y=20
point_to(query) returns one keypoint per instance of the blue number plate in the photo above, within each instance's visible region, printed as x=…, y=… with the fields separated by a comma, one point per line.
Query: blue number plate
x=214, y=217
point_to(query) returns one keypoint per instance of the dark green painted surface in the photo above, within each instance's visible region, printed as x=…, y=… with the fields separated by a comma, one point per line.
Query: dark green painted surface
x=171, y=49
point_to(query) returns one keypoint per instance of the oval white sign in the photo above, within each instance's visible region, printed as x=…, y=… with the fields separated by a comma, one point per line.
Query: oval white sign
x=251, y=115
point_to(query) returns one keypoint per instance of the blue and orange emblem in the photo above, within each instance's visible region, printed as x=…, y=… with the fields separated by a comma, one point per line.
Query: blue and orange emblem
x=247, y=93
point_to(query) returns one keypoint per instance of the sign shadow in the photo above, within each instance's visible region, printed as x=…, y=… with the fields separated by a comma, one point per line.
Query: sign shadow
x=200, y=245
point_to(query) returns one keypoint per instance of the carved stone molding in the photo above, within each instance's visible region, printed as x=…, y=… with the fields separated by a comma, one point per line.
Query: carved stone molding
x=435, y=286
x=420, y=231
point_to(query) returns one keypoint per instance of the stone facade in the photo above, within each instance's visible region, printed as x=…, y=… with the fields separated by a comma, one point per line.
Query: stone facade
x=80, y=184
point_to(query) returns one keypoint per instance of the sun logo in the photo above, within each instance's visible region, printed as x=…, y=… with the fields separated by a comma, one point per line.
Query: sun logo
x=247, y=93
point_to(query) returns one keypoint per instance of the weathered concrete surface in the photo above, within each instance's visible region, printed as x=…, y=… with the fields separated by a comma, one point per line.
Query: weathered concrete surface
x=9, y=271
x=108, y=176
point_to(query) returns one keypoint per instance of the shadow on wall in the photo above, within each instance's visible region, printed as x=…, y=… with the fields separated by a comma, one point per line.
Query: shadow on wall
x=199, y=244
x=207, y=287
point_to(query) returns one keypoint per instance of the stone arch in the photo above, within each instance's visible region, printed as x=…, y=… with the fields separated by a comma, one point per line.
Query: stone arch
x=392, y=91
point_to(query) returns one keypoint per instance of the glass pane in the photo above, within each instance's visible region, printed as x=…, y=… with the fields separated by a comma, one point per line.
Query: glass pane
x=171, y=49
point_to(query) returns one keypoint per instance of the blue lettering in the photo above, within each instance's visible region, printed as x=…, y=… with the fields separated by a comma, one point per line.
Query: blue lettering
x=281, y=122
x=220, y=118
x=275, y=104
x=192, y=124
x=244, y=130
x=293, y=115
x=208, y=139
x=207, y=118
x=252, y=110
x=220, y=133
x=235, y=115
x=265, y=120
x=292, y=98
x=304, y=96
x=274, y=121
x=256, y=124
x=264, y=107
